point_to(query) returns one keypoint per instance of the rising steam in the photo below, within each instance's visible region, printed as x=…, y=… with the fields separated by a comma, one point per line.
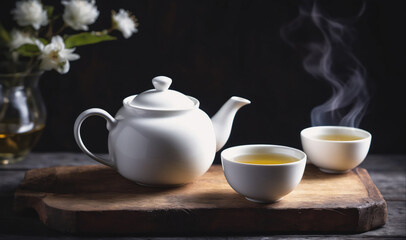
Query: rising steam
x=329, y=58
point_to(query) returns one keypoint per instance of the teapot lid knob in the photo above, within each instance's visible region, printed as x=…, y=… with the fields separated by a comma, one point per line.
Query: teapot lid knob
x=161, y=83
x=162, y=98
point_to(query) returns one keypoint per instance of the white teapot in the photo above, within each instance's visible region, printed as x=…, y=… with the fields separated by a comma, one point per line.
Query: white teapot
x=161, y=137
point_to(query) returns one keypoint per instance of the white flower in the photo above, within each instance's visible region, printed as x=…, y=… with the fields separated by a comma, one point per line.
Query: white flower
x=80, y=13
x=55, y=56
x=19, y=38
x=29, y=13
x=124, y=22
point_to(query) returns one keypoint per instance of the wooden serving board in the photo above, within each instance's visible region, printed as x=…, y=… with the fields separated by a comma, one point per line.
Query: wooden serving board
x=96, y=199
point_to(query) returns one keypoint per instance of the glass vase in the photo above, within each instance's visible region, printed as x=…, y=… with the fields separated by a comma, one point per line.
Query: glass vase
x=22, y=115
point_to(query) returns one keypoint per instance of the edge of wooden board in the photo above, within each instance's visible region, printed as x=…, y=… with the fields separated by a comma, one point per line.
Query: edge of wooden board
x=370, y=213
x=374, y=206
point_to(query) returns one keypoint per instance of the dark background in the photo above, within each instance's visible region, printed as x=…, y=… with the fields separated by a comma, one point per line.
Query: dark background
x=216, y=49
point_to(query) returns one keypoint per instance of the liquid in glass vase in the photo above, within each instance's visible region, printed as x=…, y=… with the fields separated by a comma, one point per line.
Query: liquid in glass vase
x=15, y=146
x=22, y=115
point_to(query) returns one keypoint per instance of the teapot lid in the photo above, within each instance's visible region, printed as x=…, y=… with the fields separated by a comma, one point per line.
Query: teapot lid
x=162, y=98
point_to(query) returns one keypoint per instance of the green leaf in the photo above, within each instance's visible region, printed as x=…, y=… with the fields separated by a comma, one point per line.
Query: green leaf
x=86, y=38
x=4, y=35
x=50, y=10
x=43, y=40
x=28, y=50
x=55, y=17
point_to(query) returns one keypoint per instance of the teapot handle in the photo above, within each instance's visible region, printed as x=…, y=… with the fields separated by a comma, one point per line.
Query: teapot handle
x=111, y=122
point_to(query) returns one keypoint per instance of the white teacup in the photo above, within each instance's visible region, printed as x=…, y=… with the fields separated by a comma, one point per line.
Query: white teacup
x=331, y=154
x=259, y=182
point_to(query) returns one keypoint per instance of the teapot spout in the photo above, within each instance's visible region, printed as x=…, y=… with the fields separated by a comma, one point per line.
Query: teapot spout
x=223, y=119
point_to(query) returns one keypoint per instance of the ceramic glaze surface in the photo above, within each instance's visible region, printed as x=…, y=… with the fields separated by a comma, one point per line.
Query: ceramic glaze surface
x=169, y=142
x=335, y=156
x=263, y=183
x=161, y=137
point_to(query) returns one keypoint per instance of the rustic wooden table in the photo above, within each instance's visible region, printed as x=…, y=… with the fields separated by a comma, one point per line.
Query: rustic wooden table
x=387, y=171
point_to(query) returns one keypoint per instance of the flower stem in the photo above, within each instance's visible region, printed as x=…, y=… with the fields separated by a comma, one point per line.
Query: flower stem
x=49, y=32
x=110, y=29
x=29, y=67
x=61, y=29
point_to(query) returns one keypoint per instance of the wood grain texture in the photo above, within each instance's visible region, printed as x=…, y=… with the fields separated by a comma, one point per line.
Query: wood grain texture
x=96, y=199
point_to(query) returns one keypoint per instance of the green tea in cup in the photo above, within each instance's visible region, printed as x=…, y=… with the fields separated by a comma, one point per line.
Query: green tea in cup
x=267, y=159
x=339, y=137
